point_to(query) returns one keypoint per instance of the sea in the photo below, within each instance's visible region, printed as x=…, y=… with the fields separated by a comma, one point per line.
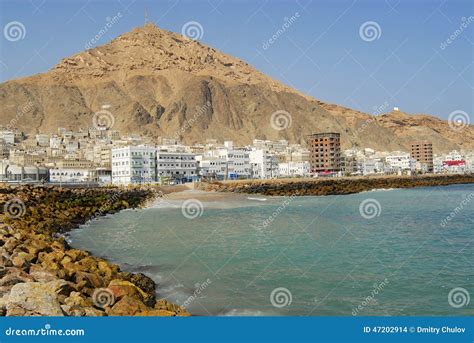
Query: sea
x=389, y=252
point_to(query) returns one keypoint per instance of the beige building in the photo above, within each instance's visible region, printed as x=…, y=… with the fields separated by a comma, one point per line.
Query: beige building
x=325, y=152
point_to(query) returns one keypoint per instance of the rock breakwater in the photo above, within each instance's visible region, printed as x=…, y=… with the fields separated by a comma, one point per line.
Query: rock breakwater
x=41, y=275
x=332, y=186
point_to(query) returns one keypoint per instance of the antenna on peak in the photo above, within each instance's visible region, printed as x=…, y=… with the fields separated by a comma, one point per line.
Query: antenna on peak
x=146, y=16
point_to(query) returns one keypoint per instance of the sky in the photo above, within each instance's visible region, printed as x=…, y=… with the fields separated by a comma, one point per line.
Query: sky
x=367, y=55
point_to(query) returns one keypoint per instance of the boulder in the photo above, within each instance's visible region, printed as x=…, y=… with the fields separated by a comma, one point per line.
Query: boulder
x=41, y=274
x=88, y=280
x=121, y=288
x=127, y=306
x=35, y=299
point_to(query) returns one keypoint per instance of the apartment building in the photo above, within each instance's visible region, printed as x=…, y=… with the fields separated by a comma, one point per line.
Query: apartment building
x=263, y=164
x=398, y=161
x=293, y=169
x=178, y=166
x=134, y=164
x=423, y=153
x=325, y=152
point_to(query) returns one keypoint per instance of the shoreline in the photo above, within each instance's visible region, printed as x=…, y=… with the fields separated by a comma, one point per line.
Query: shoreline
x=331, y=186
x=41, y=274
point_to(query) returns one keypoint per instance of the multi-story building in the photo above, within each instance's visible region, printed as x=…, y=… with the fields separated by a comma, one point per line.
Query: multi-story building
x=293, y=169
x=134, y=164
x=42, y=140
x=263, y=164
x=370, y=166
x=423, y=153
x=211, y=166
x=349, y=164
x=237, y=162
x=8, y=136
x=325, y=152
x=178, y=166
x=72, y=175
x=398, y=162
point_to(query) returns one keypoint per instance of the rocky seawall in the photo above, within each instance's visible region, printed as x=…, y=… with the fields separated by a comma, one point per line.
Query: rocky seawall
x=41, y=275
x=332, y=186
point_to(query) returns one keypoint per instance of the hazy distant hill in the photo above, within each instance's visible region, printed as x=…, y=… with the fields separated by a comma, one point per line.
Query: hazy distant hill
x=160, y=83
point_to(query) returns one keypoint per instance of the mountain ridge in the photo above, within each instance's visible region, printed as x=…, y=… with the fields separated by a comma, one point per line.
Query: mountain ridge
x=156, y=81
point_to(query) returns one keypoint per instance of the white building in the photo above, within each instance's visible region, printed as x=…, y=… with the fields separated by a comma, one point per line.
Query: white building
x=42, y=140
x=237, y=162
x=72, y=175
x=134, y=164
x=211, y=166
x=8, y=136
x=371, y=166
x=399, y=161
x=263, y=164
x=294, y=169
x=180, y=166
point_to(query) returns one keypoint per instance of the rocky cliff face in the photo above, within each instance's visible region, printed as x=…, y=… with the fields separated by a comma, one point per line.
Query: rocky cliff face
x=160, y=83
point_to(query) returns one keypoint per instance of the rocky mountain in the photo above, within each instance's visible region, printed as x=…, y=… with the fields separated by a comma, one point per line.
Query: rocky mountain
x=158, y=83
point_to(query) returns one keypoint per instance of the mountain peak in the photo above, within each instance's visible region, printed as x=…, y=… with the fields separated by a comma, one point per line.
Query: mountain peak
x=150, y=50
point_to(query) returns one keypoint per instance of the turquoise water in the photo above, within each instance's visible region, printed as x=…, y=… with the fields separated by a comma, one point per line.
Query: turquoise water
x=319, y=255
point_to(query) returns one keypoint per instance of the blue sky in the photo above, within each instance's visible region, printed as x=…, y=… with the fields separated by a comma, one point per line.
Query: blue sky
x=323, y=52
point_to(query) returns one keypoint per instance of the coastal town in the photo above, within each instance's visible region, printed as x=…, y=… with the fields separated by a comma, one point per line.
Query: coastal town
x=100, y=155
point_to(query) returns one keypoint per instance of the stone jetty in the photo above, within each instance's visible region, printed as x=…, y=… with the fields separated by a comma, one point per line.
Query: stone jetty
x=332, y=186
x=41, y=275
